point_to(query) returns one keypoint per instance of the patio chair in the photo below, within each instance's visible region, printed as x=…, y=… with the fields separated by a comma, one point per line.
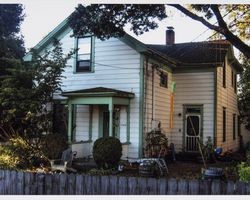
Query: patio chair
x=65, y=162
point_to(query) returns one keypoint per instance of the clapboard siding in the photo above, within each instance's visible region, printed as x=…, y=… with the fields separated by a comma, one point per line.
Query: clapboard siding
x=157, y=101
x=195, y=88
x=226, y=97
x=116, y=66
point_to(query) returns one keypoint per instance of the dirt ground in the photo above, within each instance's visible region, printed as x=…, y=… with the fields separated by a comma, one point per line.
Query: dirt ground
x=191, y=170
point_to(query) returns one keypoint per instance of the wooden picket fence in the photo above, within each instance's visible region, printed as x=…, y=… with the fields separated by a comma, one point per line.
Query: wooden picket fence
x=27, y=183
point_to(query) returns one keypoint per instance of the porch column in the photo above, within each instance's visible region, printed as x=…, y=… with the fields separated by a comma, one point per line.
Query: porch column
x=111, y=118
x=69, y=122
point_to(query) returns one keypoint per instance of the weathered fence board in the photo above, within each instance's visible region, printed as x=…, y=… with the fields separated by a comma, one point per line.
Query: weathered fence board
x=104, y=185
x=62, y=183
x=193, y=187
x=133, y=186
x=48, y=184
x=182, y=187
x=1, y=182
x=13, y=182
x=113, y=181
x=79, y=184
x=205, y=187
x=162, y=186
x=123, y=185
x=240, y=187
x=40, y=183
x=96, y=184
x=152, y=186
x=230, y=188
x=172, y=186
x=71, y=184
x=19, y=183
x=142, y=186
x=216, y=187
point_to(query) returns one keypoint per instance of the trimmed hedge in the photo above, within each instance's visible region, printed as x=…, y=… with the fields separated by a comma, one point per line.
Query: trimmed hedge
x=107, y=152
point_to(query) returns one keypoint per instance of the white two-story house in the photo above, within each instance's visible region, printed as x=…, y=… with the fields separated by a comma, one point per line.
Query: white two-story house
x=124, y=88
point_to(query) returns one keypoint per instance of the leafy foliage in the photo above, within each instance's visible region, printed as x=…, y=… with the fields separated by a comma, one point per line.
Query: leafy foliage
x=20, y=153
x=53, y=144
x=244, y=168
x=244, y=93
x=11, y=16
x=107, y=152
x=109, y=20
x=28, y=88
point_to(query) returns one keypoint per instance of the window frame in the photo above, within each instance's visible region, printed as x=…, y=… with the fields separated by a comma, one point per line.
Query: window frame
x=91, y=66
x=224, y=124
x=224, y=75
x=162, y=75
x=234, y=126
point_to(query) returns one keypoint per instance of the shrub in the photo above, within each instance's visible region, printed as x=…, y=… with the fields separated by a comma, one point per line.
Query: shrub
x=20, y=154
x=244, y=172
x=244, y=168
x=107, y=152
x=53, y=144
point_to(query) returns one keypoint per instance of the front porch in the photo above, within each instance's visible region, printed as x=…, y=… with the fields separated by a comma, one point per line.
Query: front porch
x=97, y=112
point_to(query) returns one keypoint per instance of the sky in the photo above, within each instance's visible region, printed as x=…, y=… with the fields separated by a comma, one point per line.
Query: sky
x=42, y=16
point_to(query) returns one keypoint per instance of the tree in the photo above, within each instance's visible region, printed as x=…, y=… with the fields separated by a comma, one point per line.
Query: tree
x=26, y=91
x=105, y=20
x=244, y=95
x=241, y=21
x=25, y=88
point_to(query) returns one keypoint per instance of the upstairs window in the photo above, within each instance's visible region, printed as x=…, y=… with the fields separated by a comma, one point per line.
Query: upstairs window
x=234, y=126
x=235, y=83
x=164, y=80
x=84, y=55
x=224, y=75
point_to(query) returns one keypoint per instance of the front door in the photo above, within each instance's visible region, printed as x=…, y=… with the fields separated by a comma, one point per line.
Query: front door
x=105, y=124
x=193, y=119
x=104, y=121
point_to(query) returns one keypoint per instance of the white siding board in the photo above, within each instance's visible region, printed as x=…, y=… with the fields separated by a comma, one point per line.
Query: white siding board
x=116, y=66
x=226, y=98
x=193, y=88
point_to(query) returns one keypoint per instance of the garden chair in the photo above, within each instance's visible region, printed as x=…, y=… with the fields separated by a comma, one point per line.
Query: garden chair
x=65, y=162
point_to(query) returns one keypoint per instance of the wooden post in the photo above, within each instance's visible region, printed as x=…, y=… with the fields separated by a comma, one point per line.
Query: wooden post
x=128, y=122
x=69, y=122
x=111, y=119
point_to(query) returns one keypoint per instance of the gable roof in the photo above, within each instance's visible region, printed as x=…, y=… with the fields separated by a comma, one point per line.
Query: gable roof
x=100, y=92
x=199, y=53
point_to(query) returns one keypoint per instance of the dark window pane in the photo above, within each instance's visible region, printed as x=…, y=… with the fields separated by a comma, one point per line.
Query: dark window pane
x=193, y=126
x=224, y=124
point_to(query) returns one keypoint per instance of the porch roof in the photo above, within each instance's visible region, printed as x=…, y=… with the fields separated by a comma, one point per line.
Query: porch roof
x=98, y=92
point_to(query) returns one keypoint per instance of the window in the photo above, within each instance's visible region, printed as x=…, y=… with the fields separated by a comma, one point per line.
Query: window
x=84, y=56
x=224, y=124
x=235, y=83
x=164, y=80
x=234, y=126
x=224, y=75
x=239, y=130
x=232, y=78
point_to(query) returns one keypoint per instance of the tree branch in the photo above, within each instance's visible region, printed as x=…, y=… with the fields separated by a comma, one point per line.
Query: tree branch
x=222, y=28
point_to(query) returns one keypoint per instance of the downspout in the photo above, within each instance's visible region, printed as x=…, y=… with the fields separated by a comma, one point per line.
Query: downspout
x=145, y=97
x=141, y=102
x=215, y=106
x=153, y=94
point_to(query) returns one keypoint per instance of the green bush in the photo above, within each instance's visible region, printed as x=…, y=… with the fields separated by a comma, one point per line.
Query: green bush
x=19, y=153
x=244, y=172
x=244, y=168
x=52, y=145
x=107, y=152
